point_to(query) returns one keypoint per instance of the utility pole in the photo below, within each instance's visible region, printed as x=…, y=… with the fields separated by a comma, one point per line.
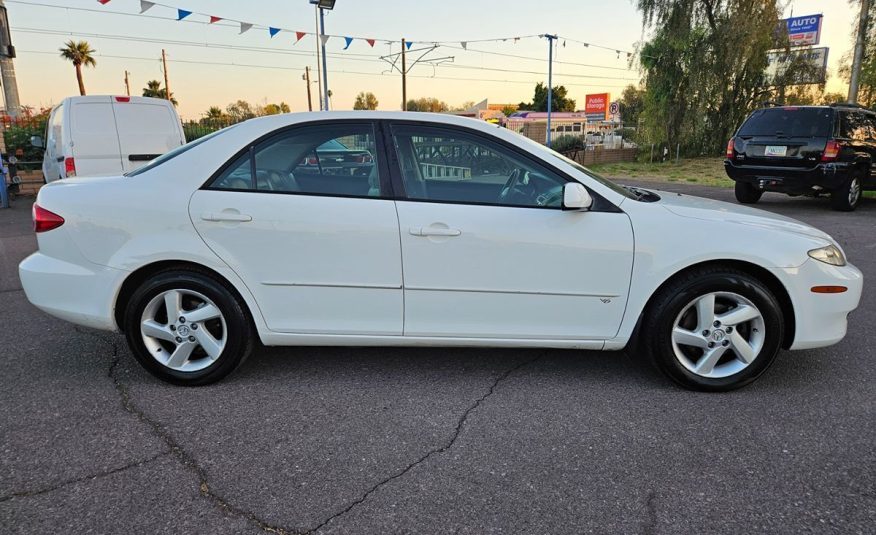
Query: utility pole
x=7, y=68
x=318, y=60
x=127, y=84
x=324, y=76
x=855, y=78
x=404, y=72
x=307, y=80
x=550, y=88
x=166, y=79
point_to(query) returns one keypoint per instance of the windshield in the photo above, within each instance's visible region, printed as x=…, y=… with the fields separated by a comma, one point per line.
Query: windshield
x=789, y=121
x=167, y=156
x=617, y=188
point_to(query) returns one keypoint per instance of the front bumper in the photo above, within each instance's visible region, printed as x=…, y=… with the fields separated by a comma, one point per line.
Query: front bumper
x=72, y=292
x=795, y=180
x=821, y=319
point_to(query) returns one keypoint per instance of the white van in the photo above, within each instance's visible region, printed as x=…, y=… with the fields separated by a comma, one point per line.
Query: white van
x=107, y=135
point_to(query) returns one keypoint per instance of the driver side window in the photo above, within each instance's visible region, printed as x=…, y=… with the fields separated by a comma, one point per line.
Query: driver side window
x=336, y=160
x=440, y=164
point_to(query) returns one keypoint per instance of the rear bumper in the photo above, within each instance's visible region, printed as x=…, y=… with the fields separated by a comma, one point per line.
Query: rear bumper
x=798, y=180
x=72, y=292
x=821, y=319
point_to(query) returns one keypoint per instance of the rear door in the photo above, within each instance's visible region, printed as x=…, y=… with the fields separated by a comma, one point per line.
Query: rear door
x=95, y=145
x=788, y=136
x=857, y=133
x=147, y=129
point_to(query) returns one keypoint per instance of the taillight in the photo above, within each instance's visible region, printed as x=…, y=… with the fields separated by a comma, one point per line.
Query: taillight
x=831, y=151
x=312, y=160
x=364, y=158
x=70, y=166
x=731, y=145
x=123, y=99
x=44, y=220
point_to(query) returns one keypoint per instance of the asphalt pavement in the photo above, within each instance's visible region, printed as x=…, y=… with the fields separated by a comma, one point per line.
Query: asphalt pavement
x=350, y=440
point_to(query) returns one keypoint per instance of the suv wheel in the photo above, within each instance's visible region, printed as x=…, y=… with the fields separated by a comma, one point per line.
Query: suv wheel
x=746, y=193
x=847, y=197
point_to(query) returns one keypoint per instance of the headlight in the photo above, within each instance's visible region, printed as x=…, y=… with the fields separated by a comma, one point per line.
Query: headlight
x=829, y=254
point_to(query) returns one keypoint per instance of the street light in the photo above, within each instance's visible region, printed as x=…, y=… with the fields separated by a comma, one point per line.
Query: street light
x=322, y=5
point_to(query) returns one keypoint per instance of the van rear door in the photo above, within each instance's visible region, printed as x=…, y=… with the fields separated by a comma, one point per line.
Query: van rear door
x=147, y=128
x=93, y=142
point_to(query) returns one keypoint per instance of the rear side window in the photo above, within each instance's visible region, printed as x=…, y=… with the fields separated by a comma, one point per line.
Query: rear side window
x=789, y=122
x=855, y=125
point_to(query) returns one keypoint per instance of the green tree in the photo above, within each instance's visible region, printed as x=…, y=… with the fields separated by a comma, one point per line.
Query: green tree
x=79, y=53
x=631, y=103
x=214, y=112
x=240, y=111
x=704, y=68
x=867, y=79
x=559, y=99
x=275, y=109
x=508, y=110
x=365, y=101
x=153, y=89
x=427, y=104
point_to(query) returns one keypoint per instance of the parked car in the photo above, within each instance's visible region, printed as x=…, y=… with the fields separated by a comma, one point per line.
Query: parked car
x=333, y=157
x=805, y=150
x=220, y=243
x=107, y=135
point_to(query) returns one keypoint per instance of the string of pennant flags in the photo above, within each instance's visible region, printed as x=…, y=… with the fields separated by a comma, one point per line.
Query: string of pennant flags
x=273, y=31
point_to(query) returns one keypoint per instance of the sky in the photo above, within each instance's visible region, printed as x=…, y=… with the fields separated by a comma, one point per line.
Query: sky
x=213, y=65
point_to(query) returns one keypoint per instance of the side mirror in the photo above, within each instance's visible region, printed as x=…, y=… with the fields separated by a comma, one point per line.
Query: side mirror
x=576, y=197
x=37, y=141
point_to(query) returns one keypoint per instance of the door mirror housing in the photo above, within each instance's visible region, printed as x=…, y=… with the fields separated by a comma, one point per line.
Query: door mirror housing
x=37, y=141
x=576, y=197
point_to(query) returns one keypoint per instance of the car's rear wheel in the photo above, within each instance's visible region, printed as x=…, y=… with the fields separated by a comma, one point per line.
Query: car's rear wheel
x=186, y=328
x=713, y=329
x=747, y=193
x=847, y=197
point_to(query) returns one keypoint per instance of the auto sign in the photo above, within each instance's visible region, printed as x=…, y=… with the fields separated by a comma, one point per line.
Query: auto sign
x=805, y=30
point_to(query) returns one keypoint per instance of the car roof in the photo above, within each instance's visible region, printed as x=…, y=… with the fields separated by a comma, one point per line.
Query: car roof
x=278, y=121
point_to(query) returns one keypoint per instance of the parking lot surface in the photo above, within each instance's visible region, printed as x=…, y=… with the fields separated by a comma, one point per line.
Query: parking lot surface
x=350, y=440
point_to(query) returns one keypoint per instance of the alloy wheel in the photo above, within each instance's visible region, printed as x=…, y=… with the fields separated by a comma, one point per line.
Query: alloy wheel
x=718, y=334
x=854, y=191
x=183, y=330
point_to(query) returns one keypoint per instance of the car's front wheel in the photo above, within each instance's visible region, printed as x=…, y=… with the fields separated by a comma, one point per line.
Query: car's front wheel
x=713, y=329
x=747, y=193
x=187, y=328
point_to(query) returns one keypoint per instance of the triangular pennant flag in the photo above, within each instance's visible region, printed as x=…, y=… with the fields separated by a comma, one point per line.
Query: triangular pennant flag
x=214, y=19
x=145, y=6
x=324, y=39
x=299, y=36
x=245, y=27
x=408, y=44
x=349, y=40
x=464, y=45
x=182, y=13
x=370, y=42
x=273, y=31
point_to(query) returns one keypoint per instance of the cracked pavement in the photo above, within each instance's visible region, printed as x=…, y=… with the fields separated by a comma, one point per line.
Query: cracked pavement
x=402, y=440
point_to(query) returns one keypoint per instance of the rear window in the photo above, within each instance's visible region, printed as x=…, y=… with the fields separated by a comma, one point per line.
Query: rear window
x=167, y=156
x=789, y=122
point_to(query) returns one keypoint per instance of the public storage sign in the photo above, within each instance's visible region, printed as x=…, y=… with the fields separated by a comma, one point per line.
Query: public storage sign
x=596, y=106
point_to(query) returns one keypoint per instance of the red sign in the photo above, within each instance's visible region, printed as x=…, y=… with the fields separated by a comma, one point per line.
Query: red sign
x=596, y=105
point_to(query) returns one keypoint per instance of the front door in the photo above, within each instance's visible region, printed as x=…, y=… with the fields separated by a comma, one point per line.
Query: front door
x=488, y=251
x=312, y=237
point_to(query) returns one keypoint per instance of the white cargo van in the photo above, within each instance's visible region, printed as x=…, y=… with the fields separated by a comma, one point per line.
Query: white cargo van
x=107, y=135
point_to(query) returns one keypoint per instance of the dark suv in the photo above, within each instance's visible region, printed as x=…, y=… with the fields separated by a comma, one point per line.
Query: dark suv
x=805, y=150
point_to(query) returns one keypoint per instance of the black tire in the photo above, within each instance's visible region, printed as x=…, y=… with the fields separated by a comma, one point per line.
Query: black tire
x=660, y=318
x=237, y=328
x=746, y=193
x=847, y=197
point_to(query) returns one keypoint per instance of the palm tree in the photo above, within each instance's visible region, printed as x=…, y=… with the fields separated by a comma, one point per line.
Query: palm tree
x=153, y=89
x=214, y=112
x=80, y=53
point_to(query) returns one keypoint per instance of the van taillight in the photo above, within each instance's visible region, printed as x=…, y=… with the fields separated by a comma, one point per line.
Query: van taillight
x=44, y=220
x=730, y=148
x=123, y=99
x=831, y=151
x=70, y=167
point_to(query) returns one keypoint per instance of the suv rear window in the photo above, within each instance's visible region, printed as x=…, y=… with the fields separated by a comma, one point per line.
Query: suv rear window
x=789, y=122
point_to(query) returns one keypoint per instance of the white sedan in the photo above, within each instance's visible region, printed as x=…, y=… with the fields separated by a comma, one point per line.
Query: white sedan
x=424, y=230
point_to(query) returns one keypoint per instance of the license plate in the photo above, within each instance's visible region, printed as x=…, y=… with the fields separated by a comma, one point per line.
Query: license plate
x=775, y=150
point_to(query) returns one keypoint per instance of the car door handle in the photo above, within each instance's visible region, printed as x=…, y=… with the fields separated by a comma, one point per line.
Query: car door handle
x=432, y=231
x=226, y=217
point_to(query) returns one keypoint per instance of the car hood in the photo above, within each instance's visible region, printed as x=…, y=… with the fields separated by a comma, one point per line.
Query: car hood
x=710, y=210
